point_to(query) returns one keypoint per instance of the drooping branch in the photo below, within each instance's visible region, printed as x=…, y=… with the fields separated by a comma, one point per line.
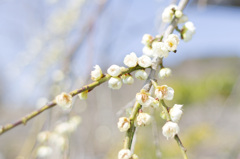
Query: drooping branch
x=51, y=104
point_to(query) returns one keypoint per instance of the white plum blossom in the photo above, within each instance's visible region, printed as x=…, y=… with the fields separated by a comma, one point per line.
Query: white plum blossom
x=124, y=154
x=141, y=74
x=96, y=74
x=144, y=61
x=164, y=92
x=131, y=60
x=188, y=31
x=170, y=129
x=168, y=13
x=123, y=124
x=178, y=13
x=147, y=51
x=160, y=49
x=164, y=72
x=64, y=100
x=115, y=83
x=146, y=39
x=143, y=119
x=83, y=95
x=44, y=151
x=63, y=128
x=144, y=99
x=114, y=70
x=176, y=112
x=172, y=42
x=127, y=79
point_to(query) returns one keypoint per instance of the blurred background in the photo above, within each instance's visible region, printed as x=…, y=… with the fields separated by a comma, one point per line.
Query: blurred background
x=50, y=46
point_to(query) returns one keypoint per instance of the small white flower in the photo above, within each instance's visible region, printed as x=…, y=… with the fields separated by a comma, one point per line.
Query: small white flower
x=176, y=112
x=96, y=74
x=147, y=51
x=164, y=72
x=127, y=79
x=178, y=13
x=131, y=60
x=124, y=154
x=188, y=31
x=144, y=61
x=146, y=39
x=44, y=151
x=115, y=83
x=170, y=129
x=172, y=42
x=160, y=49
x=144, y=99
x=114, y=70
x=168, y=13
x=43, y=136
x=141, y=74
x=64, y=100
x=123, y=124
x=83, y=95
x=164, y=92
x=143, y=119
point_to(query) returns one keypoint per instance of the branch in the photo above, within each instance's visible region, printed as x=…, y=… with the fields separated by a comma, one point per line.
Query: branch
x=51, y=104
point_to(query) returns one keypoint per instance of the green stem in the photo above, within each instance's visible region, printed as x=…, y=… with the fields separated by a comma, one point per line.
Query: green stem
x=131, y=130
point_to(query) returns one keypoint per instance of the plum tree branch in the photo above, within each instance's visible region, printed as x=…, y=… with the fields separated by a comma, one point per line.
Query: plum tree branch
x=51, y=104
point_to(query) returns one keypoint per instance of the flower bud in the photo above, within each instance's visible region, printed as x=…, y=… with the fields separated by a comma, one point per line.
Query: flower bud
x=178, y=13
x=176, y=112
x=96, y=74
x=83, y=95
x=143, y=119
x=170, y=129
x=123, y=124
x=188, y=31
x=164, y=72
x=146, y=39
x=124, y=154
x=114, y=70
x=144, y=61
x=127, y=79
x=141, y=74
x=131, y=60
x=64, y=100
x=115, y=83
x=44, y=151
x=168, y=13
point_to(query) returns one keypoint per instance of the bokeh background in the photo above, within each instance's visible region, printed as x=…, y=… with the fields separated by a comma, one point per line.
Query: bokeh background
x=50, y=46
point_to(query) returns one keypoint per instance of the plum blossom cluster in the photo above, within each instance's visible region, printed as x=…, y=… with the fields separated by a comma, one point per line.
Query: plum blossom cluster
x=188, y=28
x=157, y=47
x=57, y=139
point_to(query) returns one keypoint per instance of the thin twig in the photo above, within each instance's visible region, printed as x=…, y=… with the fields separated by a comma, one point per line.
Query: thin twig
x=51, y=104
